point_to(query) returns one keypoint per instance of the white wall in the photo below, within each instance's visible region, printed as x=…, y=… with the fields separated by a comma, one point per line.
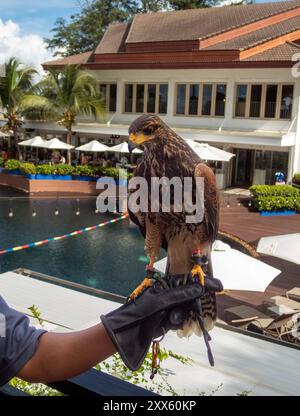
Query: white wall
x=228, y=76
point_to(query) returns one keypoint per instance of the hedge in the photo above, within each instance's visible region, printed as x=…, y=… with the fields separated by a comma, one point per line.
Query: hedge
x=82, y=170
x=296, y=179
x=12, y=164
x=275, y=197
x=28, y=168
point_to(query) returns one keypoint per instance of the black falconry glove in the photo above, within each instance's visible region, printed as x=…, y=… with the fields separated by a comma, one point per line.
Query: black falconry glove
x=158, y=309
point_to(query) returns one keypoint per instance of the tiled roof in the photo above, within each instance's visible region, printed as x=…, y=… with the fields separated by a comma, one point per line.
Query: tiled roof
x=261, y=35
x=282, y=52
x=200, y=23
x=114, y=38
x=80, y=59
x=189, y=25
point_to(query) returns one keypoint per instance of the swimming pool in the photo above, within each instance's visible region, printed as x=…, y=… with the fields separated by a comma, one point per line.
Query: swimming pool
x=111, y=258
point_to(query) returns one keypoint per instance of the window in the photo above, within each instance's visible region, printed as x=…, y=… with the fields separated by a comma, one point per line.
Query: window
x=193, y=99
x=146, y=98
x=240, y=103
x=271, y=100
x=128, y=98
x=180, y=104
x=286, y=101
x=264, y=101
x=112, y=98
x=220, y=100
x=163, y=99
x=206, y=100
x=140, y=95
x=269, y=163
x=109, y=93
x=255, y=101
x=151, y=98
x=201, y=99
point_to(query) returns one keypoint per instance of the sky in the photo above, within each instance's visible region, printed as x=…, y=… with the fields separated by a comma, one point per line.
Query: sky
x=25, y=23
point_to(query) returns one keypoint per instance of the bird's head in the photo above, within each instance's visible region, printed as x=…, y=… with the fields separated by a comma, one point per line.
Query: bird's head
x=145, y=130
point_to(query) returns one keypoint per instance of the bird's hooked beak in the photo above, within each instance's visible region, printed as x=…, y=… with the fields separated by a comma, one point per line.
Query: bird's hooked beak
x=131, y=144
x=137, y=140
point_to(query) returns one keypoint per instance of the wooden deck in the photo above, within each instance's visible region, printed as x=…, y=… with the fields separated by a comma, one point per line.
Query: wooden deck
x=250, y=226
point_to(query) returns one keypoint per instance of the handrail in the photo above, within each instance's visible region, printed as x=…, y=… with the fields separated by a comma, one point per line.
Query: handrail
x=92, y=383
x=72, y=285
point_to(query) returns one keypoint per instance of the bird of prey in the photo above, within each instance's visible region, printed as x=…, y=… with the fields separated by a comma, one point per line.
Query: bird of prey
x=168, y=155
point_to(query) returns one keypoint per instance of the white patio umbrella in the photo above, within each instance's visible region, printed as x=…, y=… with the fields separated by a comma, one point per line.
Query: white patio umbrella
x=93, y=146
x=236, y=270
x=286, y=247
x=34, y=142
x=207, y=152
x=123, y=148
x=56, y=144
x=3, y=134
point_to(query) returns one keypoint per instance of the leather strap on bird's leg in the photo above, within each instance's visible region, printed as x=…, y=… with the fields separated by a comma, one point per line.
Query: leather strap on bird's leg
x=199, y=260
x=155, y=359
x=206, y=336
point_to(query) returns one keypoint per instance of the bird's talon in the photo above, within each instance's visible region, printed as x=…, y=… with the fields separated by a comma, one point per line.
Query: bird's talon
x=197, y=271
x=137, y=291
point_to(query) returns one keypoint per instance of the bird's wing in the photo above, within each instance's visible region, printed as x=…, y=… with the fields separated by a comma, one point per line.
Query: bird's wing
x=211, y=200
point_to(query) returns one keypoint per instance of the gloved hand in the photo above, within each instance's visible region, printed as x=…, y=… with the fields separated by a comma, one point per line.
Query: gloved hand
x=157, y=310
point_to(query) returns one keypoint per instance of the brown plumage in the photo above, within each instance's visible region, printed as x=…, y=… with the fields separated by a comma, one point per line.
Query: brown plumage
x=168, y=155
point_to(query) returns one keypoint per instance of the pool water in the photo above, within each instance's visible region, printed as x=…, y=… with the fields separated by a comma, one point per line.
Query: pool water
x=111, y=258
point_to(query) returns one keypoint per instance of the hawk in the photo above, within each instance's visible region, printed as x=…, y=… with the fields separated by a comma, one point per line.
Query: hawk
x=168, y=155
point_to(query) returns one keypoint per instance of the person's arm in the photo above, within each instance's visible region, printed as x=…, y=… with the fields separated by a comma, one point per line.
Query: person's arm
x=62, y=356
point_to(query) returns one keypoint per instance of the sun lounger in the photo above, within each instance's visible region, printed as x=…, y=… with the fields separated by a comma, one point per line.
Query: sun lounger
x=294, y=294
x=282, y=300
x=243, y=316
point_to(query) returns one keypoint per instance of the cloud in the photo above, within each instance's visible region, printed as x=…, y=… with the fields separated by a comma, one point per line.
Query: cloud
x=29, y=49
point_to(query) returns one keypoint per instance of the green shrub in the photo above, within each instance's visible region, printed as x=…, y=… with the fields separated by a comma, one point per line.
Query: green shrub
x=1, y=161
x=28, y=168
x=275, y=197
x=12, y=164
x=111, y=172
x=44, y=170
x=84, y=170
x=296, y=179
x=63, y=170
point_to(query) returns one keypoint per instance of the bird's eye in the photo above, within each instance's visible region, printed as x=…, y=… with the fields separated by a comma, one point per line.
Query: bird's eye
x=147, y=131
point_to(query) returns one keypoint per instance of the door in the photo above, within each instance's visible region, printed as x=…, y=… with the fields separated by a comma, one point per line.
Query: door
x=242, y=172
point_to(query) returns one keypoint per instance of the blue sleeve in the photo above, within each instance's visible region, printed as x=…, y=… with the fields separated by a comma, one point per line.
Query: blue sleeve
x=18, y=341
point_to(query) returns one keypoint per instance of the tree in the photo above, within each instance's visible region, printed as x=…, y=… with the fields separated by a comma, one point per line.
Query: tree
x=146, y=6
x=15, y=88
x=85, y=29
x=191, y=4
x=63, y=95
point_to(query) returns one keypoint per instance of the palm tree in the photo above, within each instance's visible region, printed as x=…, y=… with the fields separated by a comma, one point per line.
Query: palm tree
x=15, y=86
x=63, y=95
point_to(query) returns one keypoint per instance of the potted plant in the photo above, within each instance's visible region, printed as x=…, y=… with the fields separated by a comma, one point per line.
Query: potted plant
x=12, y=167
x=63, y=172
x=44, y=172
x=272, y=200
x=28, y=170
x=83, y=173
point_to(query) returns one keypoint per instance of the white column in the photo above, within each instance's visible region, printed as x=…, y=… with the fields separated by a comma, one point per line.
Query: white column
x=296, y=150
